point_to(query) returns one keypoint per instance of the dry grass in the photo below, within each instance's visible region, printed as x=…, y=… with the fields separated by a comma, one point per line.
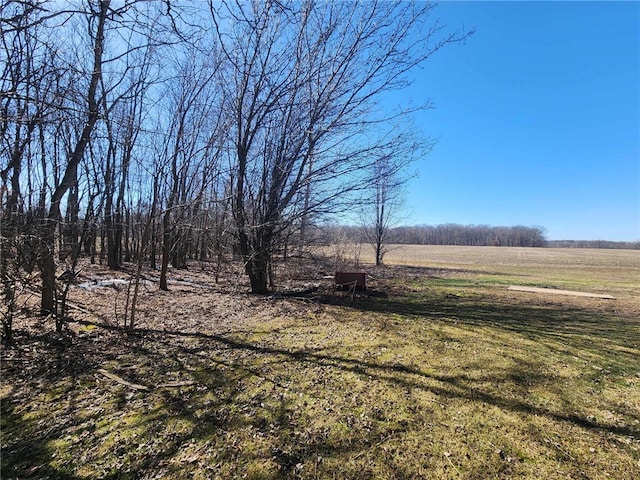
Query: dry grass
x=451, y=376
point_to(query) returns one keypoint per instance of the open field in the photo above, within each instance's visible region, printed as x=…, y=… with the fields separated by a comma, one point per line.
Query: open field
x=442, y=372
x=592, y=268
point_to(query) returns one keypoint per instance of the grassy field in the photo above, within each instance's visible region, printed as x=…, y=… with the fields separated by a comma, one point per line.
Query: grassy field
x=439, y=373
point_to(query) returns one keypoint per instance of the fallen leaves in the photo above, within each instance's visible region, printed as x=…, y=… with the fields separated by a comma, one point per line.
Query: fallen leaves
x=227, y=385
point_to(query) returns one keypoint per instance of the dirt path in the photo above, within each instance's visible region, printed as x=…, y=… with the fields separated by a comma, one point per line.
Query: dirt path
x=559, y=292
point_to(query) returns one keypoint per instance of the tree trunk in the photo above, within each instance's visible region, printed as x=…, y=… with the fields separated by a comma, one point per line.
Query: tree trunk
x=47, y=266
x=47, y=260
x=103, y=248
x=378, y=254
x=70, y=228
x=152, y=230
x=257, y=269
x=166, y=250
x=127, y=235
x=153, y=245
x=8, y=288
x=113, y=242
x=257, y=256
x=179, y=249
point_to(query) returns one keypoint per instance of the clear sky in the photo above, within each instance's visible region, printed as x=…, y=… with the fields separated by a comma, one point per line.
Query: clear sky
x=537, y=118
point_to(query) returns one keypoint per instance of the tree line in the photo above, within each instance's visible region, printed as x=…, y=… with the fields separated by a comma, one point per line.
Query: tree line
x=456, y=234
x=473, y=235
x=594, y=244
x=447, y=234
x=157, y=132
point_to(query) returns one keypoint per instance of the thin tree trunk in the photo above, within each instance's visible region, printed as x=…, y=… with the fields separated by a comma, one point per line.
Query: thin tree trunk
x=166, y=250
x=47, y=260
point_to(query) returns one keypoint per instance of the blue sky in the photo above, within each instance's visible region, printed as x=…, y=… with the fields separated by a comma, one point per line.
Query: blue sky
x=537, y=118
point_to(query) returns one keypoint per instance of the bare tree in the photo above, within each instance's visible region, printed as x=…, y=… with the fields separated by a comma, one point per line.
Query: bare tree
x=383, y=202
x=39, y=107
x=96, y=20
x=304, y=79
x=63, y=102
x=190, y=155
x=123, y=118
x=246, y=133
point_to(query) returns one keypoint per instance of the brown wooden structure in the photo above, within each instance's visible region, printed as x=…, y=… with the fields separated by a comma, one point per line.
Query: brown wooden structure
x=351, y=280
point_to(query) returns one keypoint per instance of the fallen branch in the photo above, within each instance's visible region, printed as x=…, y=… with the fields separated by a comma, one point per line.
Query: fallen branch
x=121, y=380
x=186, y=383
x=79, y=308
x=300, y=293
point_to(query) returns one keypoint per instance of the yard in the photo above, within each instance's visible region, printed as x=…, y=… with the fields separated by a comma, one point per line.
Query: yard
x=438, y=372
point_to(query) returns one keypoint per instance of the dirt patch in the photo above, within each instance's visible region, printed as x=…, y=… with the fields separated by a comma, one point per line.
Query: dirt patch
x=555, y=291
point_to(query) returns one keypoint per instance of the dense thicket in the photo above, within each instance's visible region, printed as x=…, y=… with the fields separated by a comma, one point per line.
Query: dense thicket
x=163, y=131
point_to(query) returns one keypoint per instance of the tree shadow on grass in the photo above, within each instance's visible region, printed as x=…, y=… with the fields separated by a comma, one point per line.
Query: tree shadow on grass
x=222, y=365
x=614, y=339
x=43, y=363
x=216, y=408
x=453, y=386
x=26, y=456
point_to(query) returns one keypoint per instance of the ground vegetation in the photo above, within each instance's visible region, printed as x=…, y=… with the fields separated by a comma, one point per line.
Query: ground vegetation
x=438, y=371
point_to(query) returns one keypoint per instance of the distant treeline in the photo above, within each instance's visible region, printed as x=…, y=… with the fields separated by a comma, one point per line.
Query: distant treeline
x=453, y=234
x=472, y=235
x=593, y=244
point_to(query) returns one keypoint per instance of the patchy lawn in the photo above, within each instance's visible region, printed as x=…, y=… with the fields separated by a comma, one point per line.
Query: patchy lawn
x=449, y=376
